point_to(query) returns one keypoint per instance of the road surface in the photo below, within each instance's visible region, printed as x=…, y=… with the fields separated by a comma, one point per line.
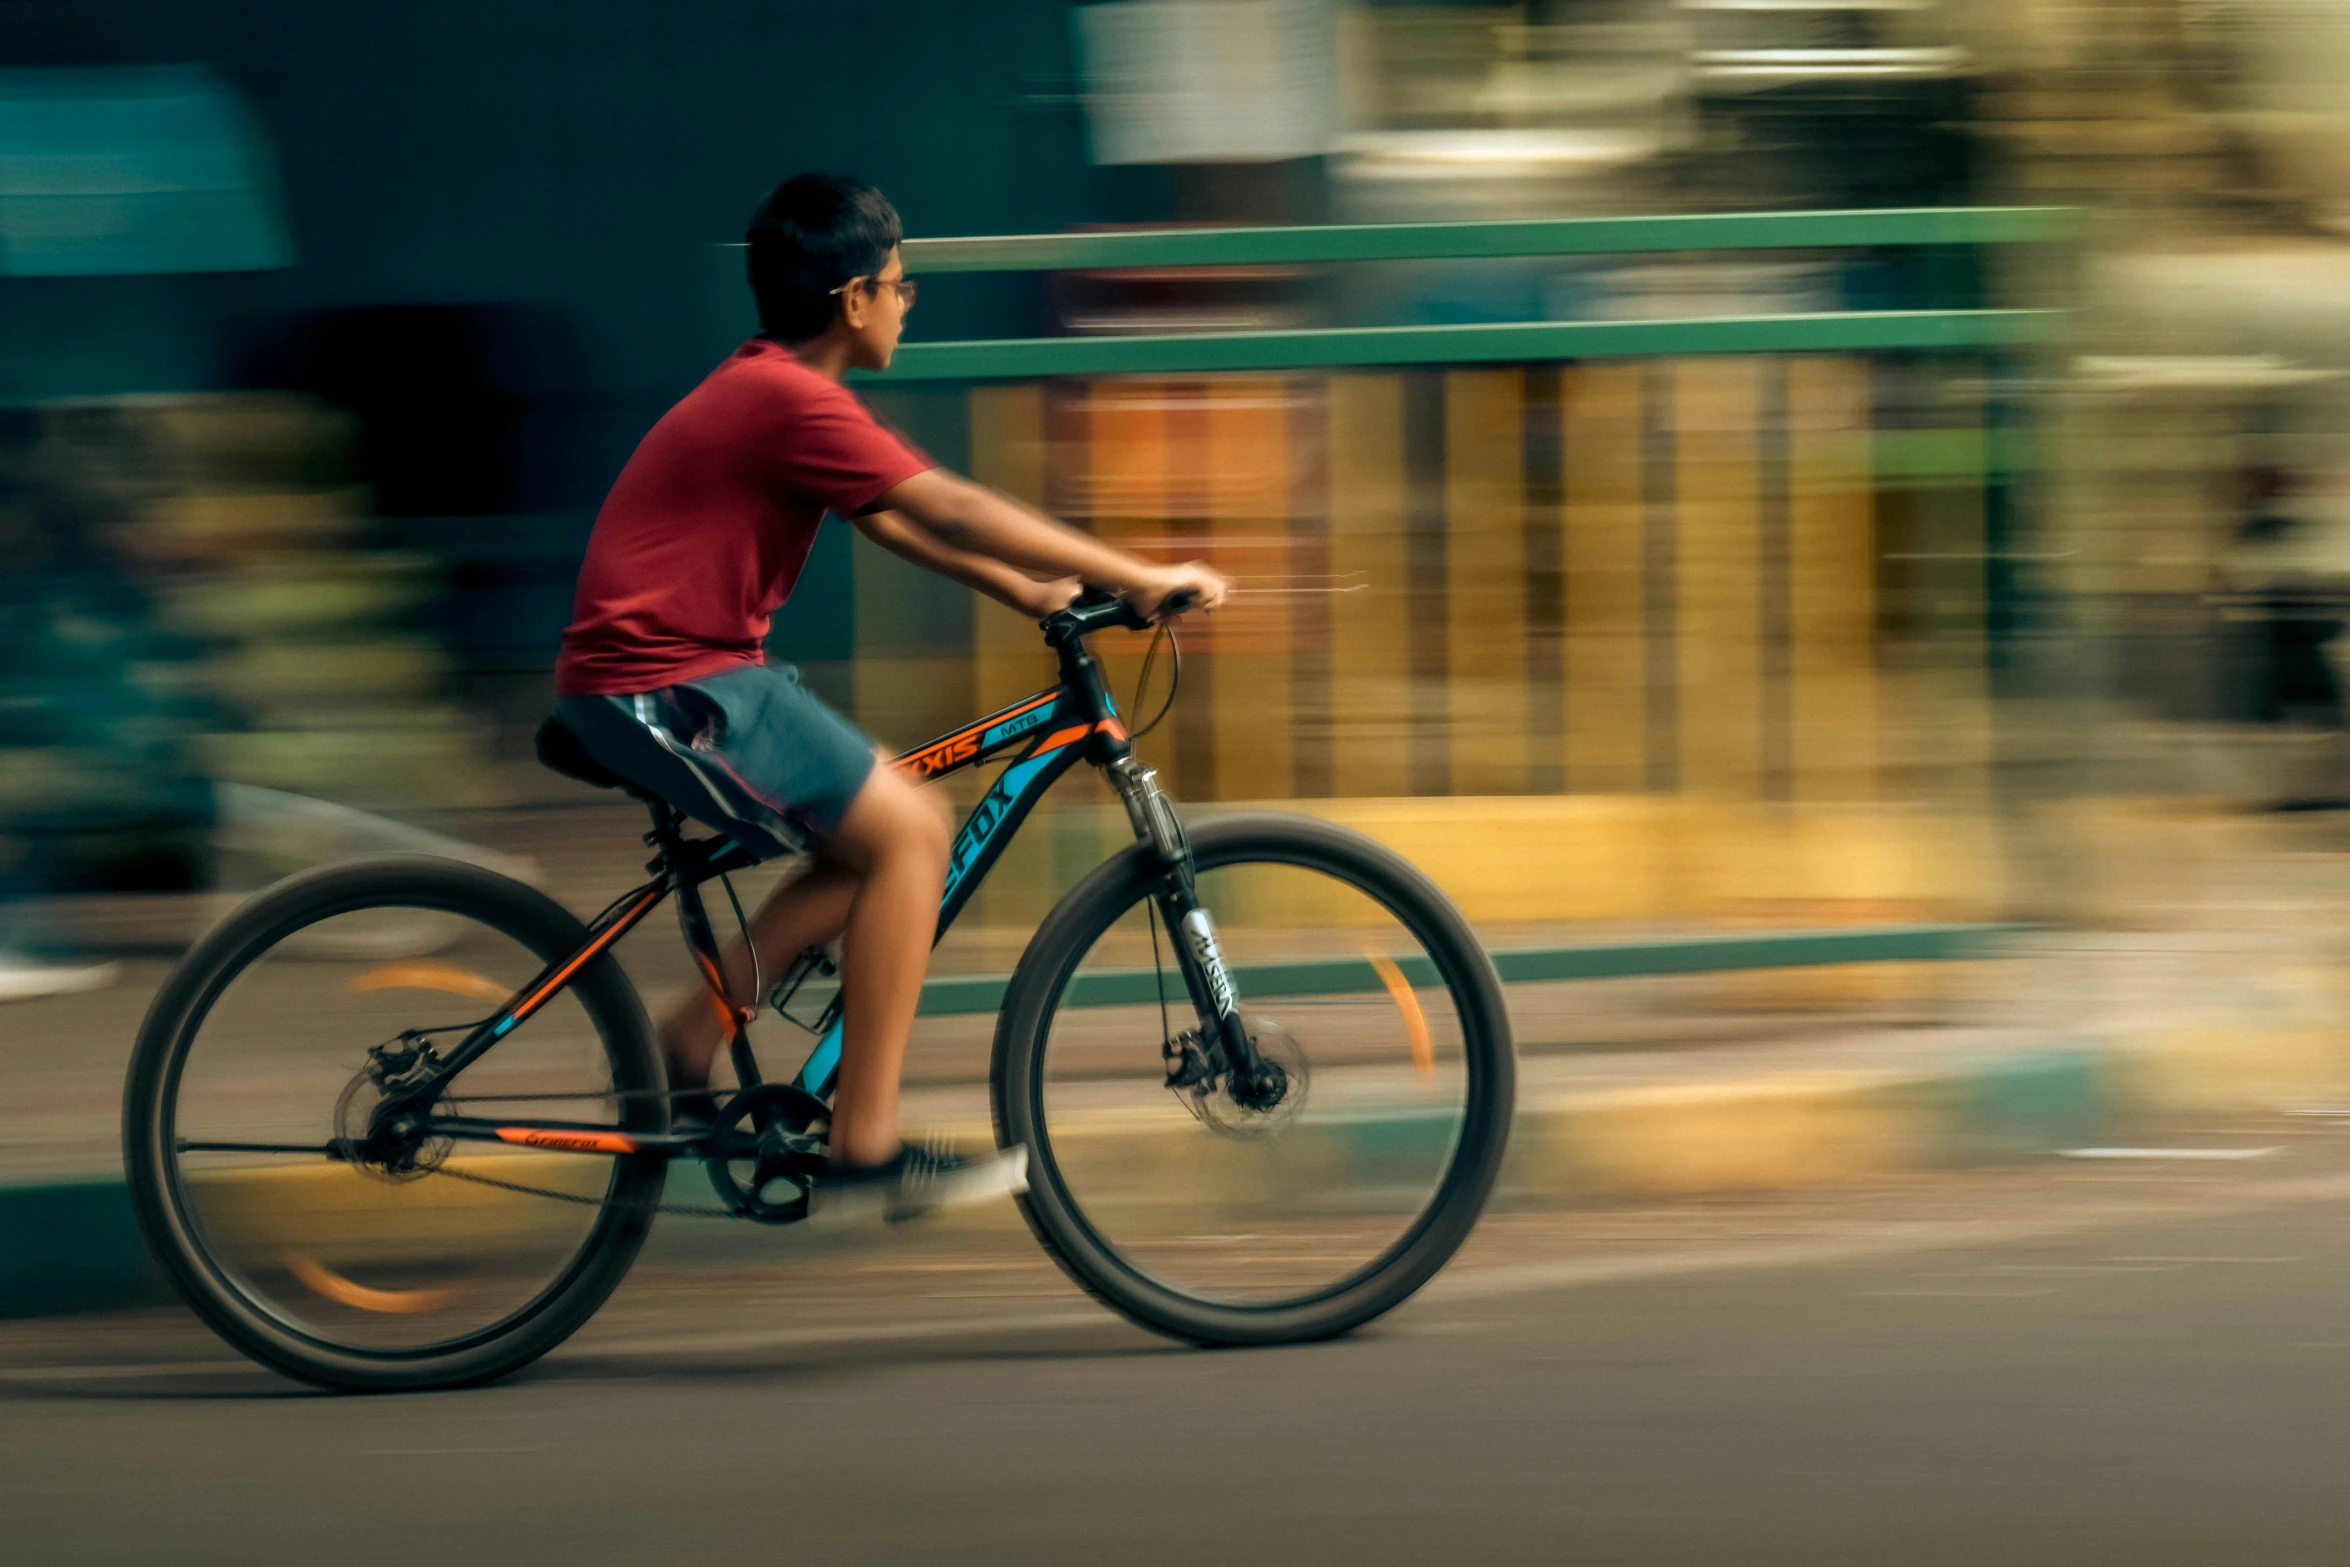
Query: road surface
x=2131, y=1362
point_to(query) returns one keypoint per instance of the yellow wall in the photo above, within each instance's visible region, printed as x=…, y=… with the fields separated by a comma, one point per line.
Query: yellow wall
x=1740, y=678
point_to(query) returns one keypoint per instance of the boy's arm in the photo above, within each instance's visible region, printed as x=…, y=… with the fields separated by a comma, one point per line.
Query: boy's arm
x=976, y=520
x=902, y=536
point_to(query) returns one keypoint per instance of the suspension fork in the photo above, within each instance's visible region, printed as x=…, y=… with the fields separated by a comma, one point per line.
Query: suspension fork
x=1188, y=923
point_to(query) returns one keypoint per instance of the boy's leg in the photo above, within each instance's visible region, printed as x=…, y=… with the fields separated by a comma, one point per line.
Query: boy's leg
x=808, y=911
x=876, y=885
x=895, y=838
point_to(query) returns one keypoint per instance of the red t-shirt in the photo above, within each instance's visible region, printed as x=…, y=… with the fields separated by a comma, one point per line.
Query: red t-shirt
x=707, y=528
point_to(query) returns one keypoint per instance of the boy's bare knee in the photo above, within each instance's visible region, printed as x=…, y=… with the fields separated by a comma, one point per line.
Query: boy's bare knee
x=942, y=816
x=931, y=825
x=891, y=817
x=937, y=813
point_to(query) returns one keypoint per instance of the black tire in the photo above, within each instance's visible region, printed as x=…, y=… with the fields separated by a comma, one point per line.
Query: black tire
x=176, y=1236
x=1024, y=1029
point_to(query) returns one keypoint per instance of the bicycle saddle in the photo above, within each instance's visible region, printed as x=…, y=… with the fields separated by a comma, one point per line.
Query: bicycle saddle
x=561, y=749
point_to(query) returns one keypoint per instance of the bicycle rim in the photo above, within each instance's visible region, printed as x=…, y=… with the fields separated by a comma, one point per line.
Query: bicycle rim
x=269, y=1078
x=1303, y=1210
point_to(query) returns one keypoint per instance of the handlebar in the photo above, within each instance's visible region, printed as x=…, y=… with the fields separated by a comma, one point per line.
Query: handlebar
x=1098, y=609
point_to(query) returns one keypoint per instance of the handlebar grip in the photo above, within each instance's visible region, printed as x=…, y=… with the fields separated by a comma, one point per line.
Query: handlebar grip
x=1098, y=609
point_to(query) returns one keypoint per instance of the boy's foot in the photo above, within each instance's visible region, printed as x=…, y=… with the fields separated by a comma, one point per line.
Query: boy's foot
x=917, y=1181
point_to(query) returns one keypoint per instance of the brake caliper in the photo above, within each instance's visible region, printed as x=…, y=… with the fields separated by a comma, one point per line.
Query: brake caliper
x=1193, y=1065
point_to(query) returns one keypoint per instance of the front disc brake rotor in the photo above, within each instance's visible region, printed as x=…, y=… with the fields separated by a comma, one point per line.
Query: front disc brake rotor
x=1269, y=1105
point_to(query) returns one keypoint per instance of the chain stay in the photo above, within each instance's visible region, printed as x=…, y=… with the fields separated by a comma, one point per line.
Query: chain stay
x=587, y=1202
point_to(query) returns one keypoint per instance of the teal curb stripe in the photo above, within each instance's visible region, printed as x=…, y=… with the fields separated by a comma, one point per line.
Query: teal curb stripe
x=956, y=994
x=1327, y=348
x=1772, y=949
x=1447, y=241
x=73, y=1246
x=2048, y=1098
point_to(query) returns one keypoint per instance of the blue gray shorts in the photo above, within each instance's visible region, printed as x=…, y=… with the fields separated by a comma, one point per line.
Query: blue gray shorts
x=749, y=751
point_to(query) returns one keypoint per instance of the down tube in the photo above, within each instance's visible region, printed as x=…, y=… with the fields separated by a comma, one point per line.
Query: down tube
x=977, y=847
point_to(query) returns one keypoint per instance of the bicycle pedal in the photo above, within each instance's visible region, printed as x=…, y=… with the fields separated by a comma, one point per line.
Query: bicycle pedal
x=802, y=1153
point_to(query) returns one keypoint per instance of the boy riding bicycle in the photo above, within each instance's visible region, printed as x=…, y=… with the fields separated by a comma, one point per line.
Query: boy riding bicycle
x=663, y=676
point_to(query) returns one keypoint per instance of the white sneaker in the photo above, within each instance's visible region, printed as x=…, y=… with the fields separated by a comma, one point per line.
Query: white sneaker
x=23, y=978
x=919, y=1180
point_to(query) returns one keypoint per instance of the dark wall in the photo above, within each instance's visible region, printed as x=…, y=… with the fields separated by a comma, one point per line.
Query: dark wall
x=583, y=154
x=538, y=185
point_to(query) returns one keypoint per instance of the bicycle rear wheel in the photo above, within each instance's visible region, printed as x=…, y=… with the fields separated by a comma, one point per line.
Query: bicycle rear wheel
x=1227, y=1224
x=252, y=1075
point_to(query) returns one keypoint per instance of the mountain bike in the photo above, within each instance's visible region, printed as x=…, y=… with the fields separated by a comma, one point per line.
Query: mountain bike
x=1261, y=1066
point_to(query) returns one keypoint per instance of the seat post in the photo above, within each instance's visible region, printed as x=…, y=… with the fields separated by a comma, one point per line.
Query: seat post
x=693, y=918
x=663, y=840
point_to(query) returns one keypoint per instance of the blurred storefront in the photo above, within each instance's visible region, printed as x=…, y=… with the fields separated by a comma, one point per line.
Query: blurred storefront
x=135, y=201
x=1817, y=585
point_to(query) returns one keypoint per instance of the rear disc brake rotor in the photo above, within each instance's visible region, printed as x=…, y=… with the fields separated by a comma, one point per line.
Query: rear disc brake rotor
x=387, y=1149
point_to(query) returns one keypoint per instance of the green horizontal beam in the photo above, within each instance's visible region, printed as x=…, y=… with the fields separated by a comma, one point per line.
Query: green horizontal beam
x=1330, y=348
x=1764, y=949
x=959, y=994
x=1452, y=241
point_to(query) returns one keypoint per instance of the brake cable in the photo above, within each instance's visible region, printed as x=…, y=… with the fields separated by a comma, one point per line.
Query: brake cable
x=1166, y=631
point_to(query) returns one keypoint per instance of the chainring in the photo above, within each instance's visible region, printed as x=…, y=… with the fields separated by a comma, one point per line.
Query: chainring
x=762, y=1141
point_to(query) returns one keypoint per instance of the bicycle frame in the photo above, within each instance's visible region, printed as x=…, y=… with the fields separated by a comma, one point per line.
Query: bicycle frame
x=1053, y=730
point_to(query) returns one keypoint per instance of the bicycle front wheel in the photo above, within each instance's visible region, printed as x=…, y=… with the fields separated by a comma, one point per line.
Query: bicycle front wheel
x=254, y=1077
x=1225, y=1223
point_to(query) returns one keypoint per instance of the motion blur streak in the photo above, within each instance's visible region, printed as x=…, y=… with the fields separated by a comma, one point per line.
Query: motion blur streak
x=324, y=330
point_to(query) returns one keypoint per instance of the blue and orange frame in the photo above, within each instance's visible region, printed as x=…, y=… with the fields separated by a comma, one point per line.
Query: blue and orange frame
x=1051, y=732
x=1058, y=725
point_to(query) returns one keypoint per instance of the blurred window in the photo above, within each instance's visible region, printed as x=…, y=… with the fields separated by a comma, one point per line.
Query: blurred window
x=134, y=169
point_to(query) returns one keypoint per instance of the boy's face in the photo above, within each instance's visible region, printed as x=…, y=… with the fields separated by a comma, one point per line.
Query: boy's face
x=875, y=309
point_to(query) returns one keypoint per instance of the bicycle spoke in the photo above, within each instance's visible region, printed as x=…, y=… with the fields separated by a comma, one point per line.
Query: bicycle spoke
x=1216, y=1197
x=315, y=1150
x=390, y=1235
x=1301, y=1179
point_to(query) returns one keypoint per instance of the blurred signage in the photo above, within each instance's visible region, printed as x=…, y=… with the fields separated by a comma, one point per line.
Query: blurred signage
x=1208, y=81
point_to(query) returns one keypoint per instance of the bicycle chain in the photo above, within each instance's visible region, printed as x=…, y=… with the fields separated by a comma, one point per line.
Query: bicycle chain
x=574, y=1197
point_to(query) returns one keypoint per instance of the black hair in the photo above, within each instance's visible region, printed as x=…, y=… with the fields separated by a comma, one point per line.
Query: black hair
x=813, y=233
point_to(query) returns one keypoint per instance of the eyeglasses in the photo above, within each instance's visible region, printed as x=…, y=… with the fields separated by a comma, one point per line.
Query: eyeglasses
x=907, y=288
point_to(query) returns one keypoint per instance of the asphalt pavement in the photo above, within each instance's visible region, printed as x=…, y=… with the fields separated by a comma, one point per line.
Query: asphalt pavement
x=2131, y=1360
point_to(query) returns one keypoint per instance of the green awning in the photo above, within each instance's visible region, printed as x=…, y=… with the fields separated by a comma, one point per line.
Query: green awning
x=125, y=170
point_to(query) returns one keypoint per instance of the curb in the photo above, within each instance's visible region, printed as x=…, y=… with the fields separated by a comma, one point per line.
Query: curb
x=1814, y=1128
x=1758, y=1133
x=74, y=1246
